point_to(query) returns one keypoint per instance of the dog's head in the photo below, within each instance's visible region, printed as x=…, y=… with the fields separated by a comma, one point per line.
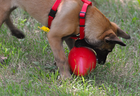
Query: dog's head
x=107, y=42
x=101, y=34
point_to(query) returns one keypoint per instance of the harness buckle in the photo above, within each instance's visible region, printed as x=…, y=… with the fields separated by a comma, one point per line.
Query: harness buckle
x=52, y=13
x=82, y=15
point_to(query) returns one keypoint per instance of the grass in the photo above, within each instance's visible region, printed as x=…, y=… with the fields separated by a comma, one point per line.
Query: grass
x=28, y=70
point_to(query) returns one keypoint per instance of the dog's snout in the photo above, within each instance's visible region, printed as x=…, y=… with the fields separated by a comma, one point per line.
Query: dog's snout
x=101, y=59
x=101, y=62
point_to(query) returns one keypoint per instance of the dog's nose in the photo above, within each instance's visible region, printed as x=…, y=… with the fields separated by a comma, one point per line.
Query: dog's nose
x=101, y=62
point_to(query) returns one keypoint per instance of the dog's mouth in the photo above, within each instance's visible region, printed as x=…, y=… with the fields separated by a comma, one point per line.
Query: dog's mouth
x=100, y=55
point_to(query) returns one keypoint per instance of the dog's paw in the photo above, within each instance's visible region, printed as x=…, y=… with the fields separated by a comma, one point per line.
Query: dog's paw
x=17, y=33
x=65, y=75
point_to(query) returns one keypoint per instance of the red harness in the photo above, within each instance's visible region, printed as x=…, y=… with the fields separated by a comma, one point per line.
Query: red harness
x=82, y=16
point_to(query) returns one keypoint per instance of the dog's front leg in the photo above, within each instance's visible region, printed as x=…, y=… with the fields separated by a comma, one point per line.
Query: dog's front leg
x=56, y=44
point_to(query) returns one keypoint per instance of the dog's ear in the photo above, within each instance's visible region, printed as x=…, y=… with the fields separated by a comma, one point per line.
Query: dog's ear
x=120, y=32
x=112, y=38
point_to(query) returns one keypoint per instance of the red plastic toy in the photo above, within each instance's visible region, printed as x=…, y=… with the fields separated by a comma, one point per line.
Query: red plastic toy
x=82, y=60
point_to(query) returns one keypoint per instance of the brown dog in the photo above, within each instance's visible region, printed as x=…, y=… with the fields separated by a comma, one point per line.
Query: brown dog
x=100, y=33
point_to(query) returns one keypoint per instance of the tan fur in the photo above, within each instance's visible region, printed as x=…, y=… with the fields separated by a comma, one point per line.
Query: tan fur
x=98, y=30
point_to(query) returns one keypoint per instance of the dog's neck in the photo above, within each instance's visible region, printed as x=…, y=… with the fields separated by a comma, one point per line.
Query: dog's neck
x=97, y=23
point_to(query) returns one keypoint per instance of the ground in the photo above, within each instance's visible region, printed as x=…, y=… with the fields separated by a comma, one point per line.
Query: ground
x=27, y=70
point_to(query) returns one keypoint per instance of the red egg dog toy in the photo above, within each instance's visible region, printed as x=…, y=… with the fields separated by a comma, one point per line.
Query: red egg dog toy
x=81, y=60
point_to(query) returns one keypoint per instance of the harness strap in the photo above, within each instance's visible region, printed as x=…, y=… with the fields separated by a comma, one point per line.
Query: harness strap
x=88, y=2
x=82, y=16
x=53, y=12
